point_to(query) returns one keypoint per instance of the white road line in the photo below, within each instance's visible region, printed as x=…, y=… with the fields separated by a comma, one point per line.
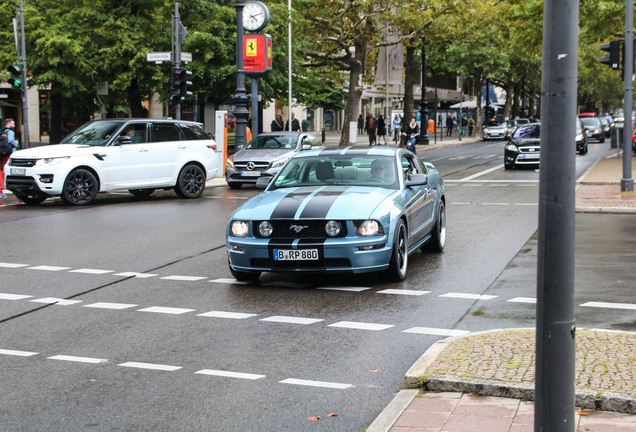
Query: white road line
x=343, y=288
x=403, y=292
x=17, y=353
x=630, y=306
x=151, y=366
x=468, y=296
x=526, y=204
x=462, y=203
x=166, y=310
x=228, y=281
x=104, y=305
x=496, y=204
x=291, y=320
x=531, y=183
x=532, y=300
x=91, y=271
x=137, y=275
x=13, y=265
x=49, y=268
x=56, y=301
x=184, y=278
x=323, y=384
x=435, y=331
x=361, y=325
x=479, y=174
x=229, y=374
x=4, y=296
x=78, y=359
x=230, y=315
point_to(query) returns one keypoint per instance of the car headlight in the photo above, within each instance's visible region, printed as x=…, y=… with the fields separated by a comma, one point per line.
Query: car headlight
x=50, y=161
x=332, y=228
x=579, y=137
x=596, y=131
x=230, y=163
x=239, y=228
x=279, y=163
x=265, y=229
x=511, y=147
x=368, y=228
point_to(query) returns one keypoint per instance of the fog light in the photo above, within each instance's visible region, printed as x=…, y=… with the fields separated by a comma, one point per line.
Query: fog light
x=265, y=229
x=46, y=178
x=332, y=228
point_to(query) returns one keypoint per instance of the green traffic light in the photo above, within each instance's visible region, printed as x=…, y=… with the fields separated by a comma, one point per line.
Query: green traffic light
x=16, y=76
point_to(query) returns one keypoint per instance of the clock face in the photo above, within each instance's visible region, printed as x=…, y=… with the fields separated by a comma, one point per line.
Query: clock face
x=255, y=16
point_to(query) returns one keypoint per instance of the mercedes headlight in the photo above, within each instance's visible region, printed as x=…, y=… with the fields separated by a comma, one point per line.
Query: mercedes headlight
x=369, y=228
x=50, y=161
x=279, y=163
x=230, y=163
x=239, y=228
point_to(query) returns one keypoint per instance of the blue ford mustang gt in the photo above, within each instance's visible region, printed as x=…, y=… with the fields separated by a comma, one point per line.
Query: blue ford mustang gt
x=354, y=209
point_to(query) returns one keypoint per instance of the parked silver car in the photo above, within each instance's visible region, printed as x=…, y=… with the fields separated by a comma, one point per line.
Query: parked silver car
x=265, y=155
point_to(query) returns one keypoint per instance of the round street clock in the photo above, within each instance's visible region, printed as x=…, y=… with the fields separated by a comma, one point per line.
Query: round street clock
x=255, y=16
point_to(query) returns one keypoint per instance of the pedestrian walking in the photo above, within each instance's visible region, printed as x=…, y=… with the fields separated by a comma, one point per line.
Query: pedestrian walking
x=370, y=128
x=360, y=125
x=8, y=142
x=449, y=125
x=397, y=122
x=381, y=129
x=278, y=124
x=412, y=131
x=464, y=124
x=471, y=125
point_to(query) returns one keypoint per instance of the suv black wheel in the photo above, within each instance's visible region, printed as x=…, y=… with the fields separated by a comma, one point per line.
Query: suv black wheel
x=191, y=182
x=80, y=187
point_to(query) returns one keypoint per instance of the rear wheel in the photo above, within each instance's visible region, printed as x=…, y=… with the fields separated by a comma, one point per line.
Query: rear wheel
x=80, y=187
x=191, y=182
x=438, y=236
x=399, y=258
x=30, y=199
x=245, y=276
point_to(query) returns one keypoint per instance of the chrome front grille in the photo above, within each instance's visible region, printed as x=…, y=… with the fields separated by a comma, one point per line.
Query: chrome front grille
x=251, y=165
x=28, y=163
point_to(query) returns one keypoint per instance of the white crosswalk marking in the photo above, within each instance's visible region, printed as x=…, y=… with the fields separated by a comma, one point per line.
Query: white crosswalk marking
x=229, y=374
x=343, y=288
x=166, y=310
x=468, y=296
x=230, y=315
x=228, y=281
x=361, y=325
x=55, y=301
x=531, y=300
x=4, y=296
x=150, y=366
x=91, y=271
x=13, y=265
x=607, y=305
x=49, y=268
x=184, y=278
x=323, y=384
x=435, y=331
x=291, y=320
x=78, y=359
x=17, y=353
x=137, y=275
x=403, y=292
x=104, y=305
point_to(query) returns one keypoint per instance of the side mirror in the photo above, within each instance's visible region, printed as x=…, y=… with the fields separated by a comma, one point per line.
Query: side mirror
x=123, y=139
x=416, y=180
x=263, y=182
x=306, y=147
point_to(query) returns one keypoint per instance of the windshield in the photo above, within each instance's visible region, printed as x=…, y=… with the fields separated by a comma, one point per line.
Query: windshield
x=590, y=121
x=359, y=170
x=527, y=131
x=287, y=142
x=579, y=127
x=92, y=133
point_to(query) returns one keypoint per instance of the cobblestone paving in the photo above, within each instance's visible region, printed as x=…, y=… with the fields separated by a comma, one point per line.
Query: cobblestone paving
x=605, y=360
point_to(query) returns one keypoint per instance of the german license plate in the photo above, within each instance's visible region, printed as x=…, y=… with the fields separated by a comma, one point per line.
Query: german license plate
x=17, y=171
x=250, y=173
x=295, y=254
x=530, y=156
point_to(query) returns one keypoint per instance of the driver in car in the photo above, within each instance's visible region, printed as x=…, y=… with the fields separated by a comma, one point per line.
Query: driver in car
x=378, y=170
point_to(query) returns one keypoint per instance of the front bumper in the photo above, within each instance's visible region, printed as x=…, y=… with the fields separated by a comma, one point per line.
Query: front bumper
x=34, y=180
x=234, y=175
x=334, y=254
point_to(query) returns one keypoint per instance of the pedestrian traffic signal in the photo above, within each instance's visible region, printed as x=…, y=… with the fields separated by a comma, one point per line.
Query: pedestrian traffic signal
x=614, y=49
x=16, y=80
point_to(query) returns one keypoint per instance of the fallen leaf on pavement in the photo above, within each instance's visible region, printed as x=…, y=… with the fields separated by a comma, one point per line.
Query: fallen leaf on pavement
x=332, y=415
x=316, y=418
x=581, y=413
x=374, y=371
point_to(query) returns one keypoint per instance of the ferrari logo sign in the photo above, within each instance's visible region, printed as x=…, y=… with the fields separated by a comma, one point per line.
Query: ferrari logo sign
x=257, y=54
x=251, y=47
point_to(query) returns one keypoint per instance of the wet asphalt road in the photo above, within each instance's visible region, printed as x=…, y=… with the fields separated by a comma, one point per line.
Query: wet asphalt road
x=153, y=335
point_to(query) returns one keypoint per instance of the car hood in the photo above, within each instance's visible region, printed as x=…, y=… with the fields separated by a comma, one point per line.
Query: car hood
x=496, y=128
x=527, y=142
x=262, y=155
x=57, y=150
x=330, y=202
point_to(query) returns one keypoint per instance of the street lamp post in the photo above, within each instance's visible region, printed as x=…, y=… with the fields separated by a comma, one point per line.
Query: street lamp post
x=423, y=139
x=240, y=98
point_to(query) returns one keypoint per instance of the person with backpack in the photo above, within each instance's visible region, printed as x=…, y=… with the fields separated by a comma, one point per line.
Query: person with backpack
x=8, y=145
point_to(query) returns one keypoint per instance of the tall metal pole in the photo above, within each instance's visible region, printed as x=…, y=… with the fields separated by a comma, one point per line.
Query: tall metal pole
x=240, y=97
x=461, y=98
x=25, y=105
x=254, y=85
x=555, y=334
x=289, y=64
x=176, y=60
x=627, y=182
x=423, y=102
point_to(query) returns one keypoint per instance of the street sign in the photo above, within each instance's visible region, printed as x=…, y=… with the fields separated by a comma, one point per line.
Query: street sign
x=159, y=57
x=257, y=54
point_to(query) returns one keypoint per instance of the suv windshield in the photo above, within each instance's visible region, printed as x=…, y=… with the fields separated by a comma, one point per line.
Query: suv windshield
x=287, y=142
x=527, y=131
x=92, y=133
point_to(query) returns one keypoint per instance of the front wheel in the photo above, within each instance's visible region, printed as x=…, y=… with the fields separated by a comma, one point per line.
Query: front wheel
x=438, y=235
x=399, y=258
x=30, y=199
x=191, y=182
x=80, y=187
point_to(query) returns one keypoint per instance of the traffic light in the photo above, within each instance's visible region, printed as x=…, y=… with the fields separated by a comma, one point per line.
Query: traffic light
x=181, y=85
x=614, y=49
x=16, y=80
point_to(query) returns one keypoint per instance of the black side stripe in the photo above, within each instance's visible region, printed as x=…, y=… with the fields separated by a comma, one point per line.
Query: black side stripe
x=287, y=207
x=319, y=205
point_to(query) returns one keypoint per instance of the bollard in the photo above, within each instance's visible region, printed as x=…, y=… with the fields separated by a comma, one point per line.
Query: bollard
x=324, y=135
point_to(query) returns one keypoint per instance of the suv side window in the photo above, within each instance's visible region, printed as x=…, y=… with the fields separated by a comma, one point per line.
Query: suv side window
x=136, y=132
x=193, y=132
x=162, y=132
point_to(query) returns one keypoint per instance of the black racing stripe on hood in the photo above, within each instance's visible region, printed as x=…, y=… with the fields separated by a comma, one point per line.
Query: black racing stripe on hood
x=288, y=206
x=319, y=204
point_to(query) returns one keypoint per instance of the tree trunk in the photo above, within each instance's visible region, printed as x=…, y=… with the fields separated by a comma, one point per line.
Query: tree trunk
x=508, y=106
x=515, y=100
x=134, y=99
x=56, y=118
x=479, y=120
x=351, y=111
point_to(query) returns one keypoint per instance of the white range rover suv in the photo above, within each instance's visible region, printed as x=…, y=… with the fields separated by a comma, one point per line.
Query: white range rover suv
x=138, y=155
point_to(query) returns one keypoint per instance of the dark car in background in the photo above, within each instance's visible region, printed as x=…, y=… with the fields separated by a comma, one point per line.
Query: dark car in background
x=523, y=146
x=608, y=122
x=265, y=155
x=581, y=137
x=595, y=128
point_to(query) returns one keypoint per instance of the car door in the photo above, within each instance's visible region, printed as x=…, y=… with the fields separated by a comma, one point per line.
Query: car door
x=166, y=148
x=128, y=158
x=419, y=200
